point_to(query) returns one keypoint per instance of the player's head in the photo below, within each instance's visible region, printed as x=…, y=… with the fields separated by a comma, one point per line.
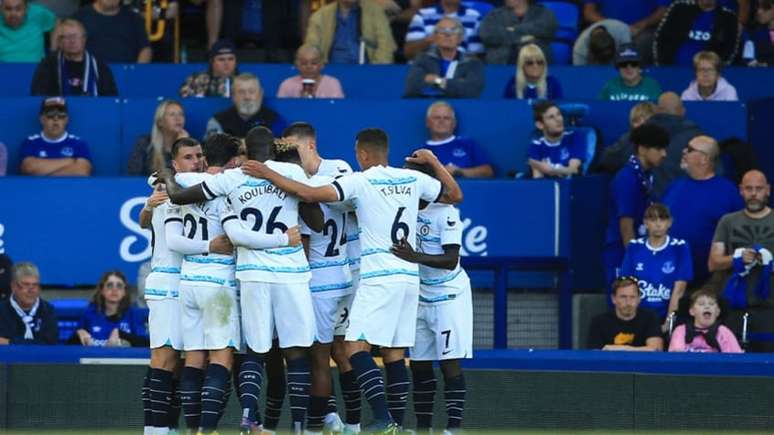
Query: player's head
x=187, y=155
x=425, y=169
x=626, y=297
x=755, y=191
x=371, y=147
x=548, y=118
x=650, y=143
x=221, y=150
x=705, y=308
x=112, y=289
x=260, y=144
x=54, y=117
x=304, y=136
x=25, y=284
x=286, y=151
x=657, y=220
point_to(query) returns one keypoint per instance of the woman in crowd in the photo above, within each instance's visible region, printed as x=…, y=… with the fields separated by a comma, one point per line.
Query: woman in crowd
x=532, y=80
x=709, y=85
x=153, y=152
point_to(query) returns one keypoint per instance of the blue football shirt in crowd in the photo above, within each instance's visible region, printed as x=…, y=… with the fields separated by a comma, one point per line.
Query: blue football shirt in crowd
x=559, y=153
x=698, y=38
x=460, y=151
x=101, y=326
x=657, y=269
x=67, y=146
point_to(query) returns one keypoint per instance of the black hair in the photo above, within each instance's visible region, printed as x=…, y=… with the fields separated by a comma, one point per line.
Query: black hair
x=260, y=144
x=287, y=155
x=220, y=148
x=183, y=142
x=649, y=135
x=300, y=129
x=423, y=168
x=601, y=46
x=372, y=138
x=540, y=108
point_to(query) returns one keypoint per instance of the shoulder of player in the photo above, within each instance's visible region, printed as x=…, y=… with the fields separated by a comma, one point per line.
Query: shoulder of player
x=336, y=167
x=188, y=179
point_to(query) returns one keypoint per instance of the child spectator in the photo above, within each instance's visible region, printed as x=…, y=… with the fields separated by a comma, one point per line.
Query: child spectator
x=630, y=85
x=532, y=80
x=109, y=319
x=704, y=333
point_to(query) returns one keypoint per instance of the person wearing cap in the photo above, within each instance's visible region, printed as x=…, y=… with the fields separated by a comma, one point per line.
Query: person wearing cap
x=72, y=70
x=598, y=43
x=22, y=29
x=54, y=151
x=116, y=33
x=310, y=82
x=219, y=77
x=630, y=85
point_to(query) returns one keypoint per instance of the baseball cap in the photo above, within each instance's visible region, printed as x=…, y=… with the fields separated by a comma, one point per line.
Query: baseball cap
x=222, y=46
x=627, y=53
x=53, y=103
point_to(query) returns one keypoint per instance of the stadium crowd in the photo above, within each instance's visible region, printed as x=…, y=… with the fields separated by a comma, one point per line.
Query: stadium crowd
x=690, y=235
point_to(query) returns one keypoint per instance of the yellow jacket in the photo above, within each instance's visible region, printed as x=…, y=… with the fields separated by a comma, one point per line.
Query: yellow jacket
x=374, y=29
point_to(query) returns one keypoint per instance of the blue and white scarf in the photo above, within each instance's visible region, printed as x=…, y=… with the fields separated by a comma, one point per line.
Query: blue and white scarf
x=645, y=178
x=89, y=79
x=736, y=289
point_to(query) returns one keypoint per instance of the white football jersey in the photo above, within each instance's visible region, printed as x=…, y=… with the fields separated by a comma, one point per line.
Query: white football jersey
x=337, y=168
x=263, y=207
x=201, y=221
x=328, y=250
x=164, y=279
x=439, y=225
x=386, y=202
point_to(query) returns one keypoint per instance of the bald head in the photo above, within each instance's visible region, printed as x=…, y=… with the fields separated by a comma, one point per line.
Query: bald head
x=755, y=191
x=754, y=176
x=670, y=103
x=707, y=145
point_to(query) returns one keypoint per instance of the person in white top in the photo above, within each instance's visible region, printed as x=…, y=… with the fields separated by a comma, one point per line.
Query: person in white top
x=386, y=202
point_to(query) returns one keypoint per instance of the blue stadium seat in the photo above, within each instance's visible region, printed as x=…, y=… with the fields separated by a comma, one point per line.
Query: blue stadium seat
x=568, y=15
x=482, y=7
x=562, y=53
x=68, y=313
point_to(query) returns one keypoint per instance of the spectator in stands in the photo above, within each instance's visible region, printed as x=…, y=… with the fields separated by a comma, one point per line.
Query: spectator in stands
x=704, y=332
x=741, y=256
x=692, y=26
x=351, y=31
x=247, y=112
x=25, y=318
x=22, y=31
x=599, y=42
x=505, y=30
x=557, y=153
x=630, y=85
x=421, y=33
x=153, y=152
x=310, y=82
x=627, y=327
x=116, y=33
x=698, y=201
x=445, y=70
x=213, y=19
x=400, y=13
x=55, y=152
x=61, y=8
x=217, y=80
x=614, y=156
x=109, y=319
x=532, y=80
x=72, y=70
x=709, y=85
x=631, y=193
x=642, y=16
x=661, y=263
x=463, y=157
x=6, y=264
x=763, y=37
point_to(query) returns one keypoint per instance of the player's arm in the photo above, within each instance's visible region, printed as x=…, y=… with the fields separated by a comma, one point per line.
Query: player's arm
x=450, y=190
x=301, y=191
x=447, y=260
x=176, y=241
x=157, y=198
x=177, y=194
x=240, y=236
x=312, y=215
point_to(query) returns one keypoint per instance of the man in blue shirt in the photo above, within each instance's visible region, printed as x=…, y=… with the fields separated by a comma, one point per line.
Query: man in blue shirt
x=631, y=193
x=54, y=151
x=642, y=16
x=699, y=200
x=463, y=157
x=558, y=153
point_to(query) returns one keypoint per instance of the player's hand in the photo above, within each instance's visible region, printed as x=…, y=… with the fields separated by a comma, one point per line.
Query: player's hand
x=165, y=174
x=422, y=156
x=85, y=337
x=404, y=251
x=294, y=235
x=157, y=198
x=221, y=245
x=255, y=169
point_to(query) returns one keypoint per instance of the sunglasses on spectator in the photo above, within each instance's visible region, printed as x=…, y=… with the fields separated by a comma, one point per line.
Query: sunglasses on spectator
x=56, y=115
x=532, y=62
x=628, y=65
x=627, y=279
x=692, y=149
x=446, y=30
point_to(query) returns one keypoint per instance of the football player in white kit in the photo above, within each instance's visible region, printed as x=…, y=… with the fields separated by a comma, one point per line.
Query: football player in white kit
x=162, y=294
x=208, y=295
x=445, y=314
x=274, y=283
x=386, y=202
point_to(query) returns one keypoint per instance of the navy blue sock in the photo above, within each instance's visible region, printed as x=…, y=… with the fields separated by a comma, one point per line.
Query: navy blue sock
x=351, y=393
x=317, y=408
x=191, y=380
x=213, y=391
x=275, y=396
x=332, y=399
x=299, y=381
x=369, y=378
x=424, y=396
x=174, y=409
x=397, y=389
x=250, y=383
x=160, y=396
x=147, y=415
x=454, y=395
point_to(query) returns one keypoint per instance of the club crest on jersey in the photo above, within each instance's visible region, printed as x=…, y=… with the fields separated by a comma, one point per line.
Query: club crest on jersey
x=424, y=230
x=640, y=267
x=668, y=267
x=564, y=154
x=459, y=152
